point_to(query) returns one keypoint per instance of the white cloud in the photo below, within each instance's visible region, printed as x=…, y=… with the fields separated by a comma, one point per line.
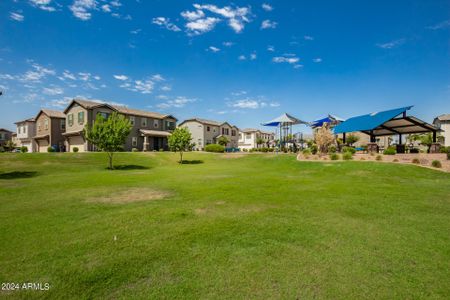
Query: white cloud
x=166, y=88
x=308, y=38
x=213, y=49
x=239, y=93
x=106, y=8
x=267, y=7
x=283, y=59
x=37, y=73
x=120, y=77
x=266, y=24
x=158, y=77
x=242, y=57
x=135, y=31
x=392, y=44
x=178, y=102
x=165, y=22
x=16, y=16
x=201, y=26
x=253, y=56
x=84, y=76
x=59, y=103
x=271, y=48
x=193, y=15
x=52, y=91
x=250, y=103
x=68, y=75
x=228, y=44
x=317, y=60
x=81, y=8
x=43, y=4
x=440, y=25
x=143, y=86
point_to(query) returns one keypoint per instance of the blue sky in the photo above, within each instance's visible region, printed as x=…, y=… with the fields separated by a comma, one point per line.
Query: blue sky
x=245, y=62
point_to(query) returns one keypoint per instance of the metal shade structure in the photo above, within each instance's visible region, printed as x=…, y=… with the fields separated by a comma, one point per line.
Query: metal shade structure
x=330, y=119
x=284, y=123
x=388, y=122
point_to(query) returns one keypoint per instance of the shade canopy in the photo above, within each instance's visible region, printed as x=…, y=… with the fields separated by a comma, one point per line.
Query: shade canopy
x=388, y=122
x=330, y=119
x=284, y=119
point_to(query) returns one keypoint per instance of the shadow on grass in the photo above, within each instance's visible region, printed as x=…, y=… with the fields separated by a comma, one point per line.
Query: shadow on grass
x=130, y=167
x=192, y=162
x=18, y=175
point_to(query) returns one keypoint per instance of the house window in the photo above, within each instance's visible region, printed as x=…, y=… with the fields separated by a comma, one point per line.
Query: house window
x=39, y=126
x=2, y=136
x=208, y=128
x=208, y=142
x=104, y=115
x=155, y=123
x=144, y=122
x=63, y=124
x=225, y=131
x=132, y=120
x=70, y=119
x=18, y=130
x=233, y=132
x=170, y=125
x=24, y=129
x=248, y=136
x=81, y=117
x=134, y=141
x=46, y=124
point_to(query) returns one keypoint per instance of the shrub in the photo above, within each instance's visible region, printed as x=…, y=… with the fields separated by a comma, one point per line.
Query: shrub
x=2, y=149
x=306, y=152
x=160, y=150
x=334, y=156
x=395, y=160
x=245, y=150
x=50, y=149
x=264, y=149
x=75, y=149
x=389, y=151
x=379, y=158
x=216, y=148
x=415, y=161
x=24, y=149
x=347, y=156
x=134, y=150
x=332, y=149
x=443, y=150
x=436, y=164
x=313, y=149
x=362, y=158
x=349, y=149
x=448, y=155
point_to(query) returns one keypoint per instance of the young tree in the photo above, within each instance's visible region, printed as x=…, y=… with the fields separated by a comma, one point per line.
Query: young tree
x=10, y=145
x=324, y=138
x=351, y=139
x=259, y=141
x=180, y=141
x=223, y=140
x=108, y=135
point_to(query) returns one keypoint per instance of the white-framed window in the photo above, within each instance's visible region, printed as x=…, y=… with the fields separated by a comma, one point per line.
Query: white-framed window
x=134, y=141
x=81, y=117
x=248, y=136
x=63, y=124
x=104, y=115
x=155, y=123
x=70, y=119
x=18, y=129
x=132, y=120
x=46, y=124
x=24, y=129
x=39, y=126
x=144, y=122
x=208, y=128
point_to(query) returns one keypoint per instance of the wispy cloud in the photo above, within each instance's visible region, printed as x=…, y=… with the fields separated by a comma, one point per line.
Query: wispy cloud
x=392, y=44
x=165, y=23
x=43, y=4
x=308, y=38
x=16, y=16
x=201, y=26
x=266, y=24
x=52, y=91
x=267, y=7
x=120, y=77
x=213, y=49
x=250, y=103
x=440, y=25
x=178, y=102
x=81, y=9
x=242, y=57
x=271, y=48
x=317, y=60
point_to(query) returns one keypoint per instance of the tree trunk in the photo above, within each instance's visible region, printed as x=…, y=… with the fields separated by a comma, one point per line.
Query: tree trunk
x=181, y=157
x=110, y=155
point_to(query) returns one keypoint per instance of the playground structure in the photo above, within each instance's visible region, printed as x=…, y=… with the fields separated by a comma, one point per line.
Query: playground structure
x=284, y=125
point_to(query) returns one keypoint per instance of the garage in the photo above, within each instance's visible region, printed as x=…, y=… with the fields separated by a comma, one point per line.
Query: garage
x=42, y=145
x=76, y=141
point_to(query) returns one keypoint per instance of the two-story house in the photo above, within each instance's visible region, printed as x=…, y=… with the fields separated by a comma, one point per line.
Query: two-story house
x=443, y=123
x=249, y=138
x=50, y=126
x=206, y=132
x=5, y=136
x=149, y=132
x=26, y=130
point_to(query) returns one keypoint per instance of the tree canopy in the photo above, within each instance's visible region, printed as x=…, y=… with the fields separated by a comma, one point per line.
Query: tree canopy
x=180, y=141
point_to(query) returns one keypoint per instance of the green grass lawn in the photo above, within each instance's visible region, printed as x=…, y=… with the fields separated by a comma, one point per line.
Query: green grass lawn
x=253, y=226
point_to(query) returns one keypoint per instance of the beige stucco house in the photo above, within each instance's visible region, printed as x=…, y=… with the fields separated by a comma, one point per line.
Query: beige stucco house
x=248, y=138
x=149, y=132
x=206, y=132
x=443, y=123
x=50, y=126
x=26, y=131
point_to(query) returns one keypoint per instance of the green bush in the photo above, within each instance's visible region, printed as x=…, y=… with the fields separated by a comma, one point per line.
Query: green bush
x=2, y=149
x=161, y=150
x=216, y=148
x=347, y=156
x=245, y=150
x=379, y=158
x=264, y=149
x=134, y=150
x=349, y=149
x=332, y=149
x=314, y=149
x=415, y=161
x=436, y=164
x=24, y=149
x=50, y=149
x=334, y=156
x=75, y=149
x=306, y=152
x=389, y=151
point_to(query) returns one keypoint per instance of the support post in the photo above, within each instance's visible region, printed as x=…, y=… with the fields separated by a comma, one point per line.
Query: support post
x=343, y=138
x=145, y=148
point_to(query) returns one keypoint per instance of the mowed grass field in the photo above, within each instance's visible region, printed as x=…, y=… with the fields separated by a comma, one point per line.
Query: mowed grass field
x=222, y=226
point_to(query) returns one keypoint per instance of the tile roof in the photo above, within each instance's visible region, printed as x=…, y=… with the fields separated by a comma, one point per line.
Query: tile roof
x=33, y=119
x=445, y=117
x=54, y=113
x=206, y=121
